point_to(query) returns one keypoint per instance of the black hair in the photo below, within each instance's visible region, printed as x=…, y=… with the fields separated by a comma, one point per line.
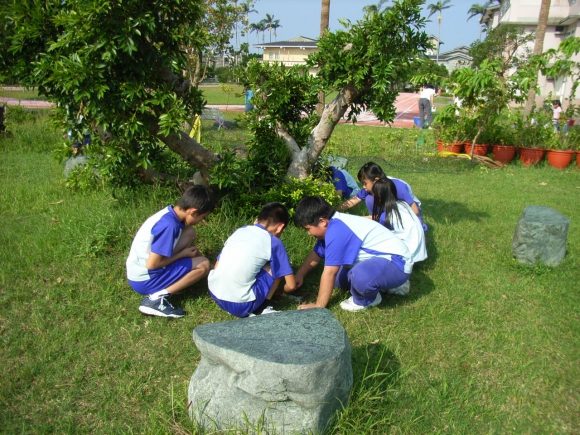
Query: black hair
x=557, y=101
x=385, y=199
x=370, y=171
x=274, y=213
x=310, y=209
x=198, y=197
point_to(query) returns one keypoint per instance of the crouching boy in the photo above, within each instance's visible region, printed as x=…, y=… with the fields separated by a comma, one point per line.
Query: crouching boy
x=164, y=259
x=359, y=254
x=251, y=265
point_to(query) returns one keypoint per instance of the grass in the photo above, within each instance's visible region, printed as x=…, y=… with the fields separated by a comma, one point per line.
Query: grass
x=482, y=345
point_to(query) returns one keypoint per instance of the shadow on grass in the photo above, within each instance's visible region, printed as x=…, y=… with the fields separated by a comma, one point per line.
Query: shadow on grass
x=450, y=212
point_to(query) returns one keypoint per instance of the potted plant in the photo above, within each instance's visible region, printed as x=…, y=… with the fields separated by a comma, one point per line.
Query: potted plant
x=470, y=129
x=448, y=132
x=501, y=136
x=531, y=135
x=562, y=147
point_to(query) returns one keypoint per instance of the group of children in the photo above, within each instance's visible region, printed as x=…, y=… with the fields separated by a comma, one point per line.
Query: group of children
x=365, y=255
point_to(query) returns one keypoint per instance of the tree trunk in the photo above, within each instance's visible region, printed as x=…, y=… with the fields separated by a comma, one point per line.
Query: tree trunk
x=302, y=160
x=538, y=49
x=324, y=19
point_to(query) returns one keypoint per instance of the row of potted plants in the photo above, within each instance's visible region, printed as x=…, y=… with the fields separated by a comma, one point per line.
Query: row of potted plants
x=534, y=135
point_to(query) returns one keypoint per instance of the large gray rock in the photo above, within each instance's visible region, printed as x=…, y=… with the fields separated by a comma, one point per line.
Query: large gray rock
x=290, y=371
x=540, y=236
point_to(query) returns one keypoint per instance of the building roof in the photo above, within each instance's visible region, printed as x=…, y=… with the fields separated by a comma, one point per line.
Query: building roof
x=300, y=42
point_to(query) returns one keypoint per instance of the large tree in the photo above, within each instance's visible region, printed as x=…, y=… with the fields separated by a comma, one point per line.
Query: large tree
x=360, y=63
x=120, y=64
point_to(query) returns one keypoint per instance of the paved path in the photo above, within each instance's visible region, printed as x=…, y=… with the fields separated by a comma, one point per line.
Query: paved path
x=406, y=109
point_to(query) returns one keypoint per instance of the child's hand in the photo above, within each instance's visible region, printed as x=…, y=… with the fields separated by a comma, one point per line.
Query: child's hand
x=190, y=251
x=307, y=306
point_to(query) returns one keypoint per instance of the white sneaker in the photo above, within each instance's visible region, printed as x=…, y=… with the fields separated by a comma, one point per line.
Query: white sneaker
x=402, y=290
x=269, y=310
x=350, y=305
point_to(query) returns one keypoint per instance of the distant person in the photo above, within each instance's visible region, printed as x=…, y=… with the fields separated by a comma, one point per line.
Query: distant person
x=557, y=111
x=426, y=104
x=359, y=255
x=398, y=217
x=368, y=174
x=164, y=259
x=251, y=265
x=248, y=95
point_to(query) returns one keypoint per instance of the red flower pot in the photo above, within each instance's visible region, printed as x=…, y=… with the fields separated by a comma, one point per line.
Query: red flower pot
x=559, y=159
x=531, y=156
x=503, y=153
x=480, y=149
x=578, y=158
x=454, y=147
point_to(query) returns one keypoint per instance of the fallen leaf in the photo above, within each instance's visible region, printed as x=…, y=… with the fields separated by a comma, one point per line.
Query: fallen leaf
x=543, y=183
x=59, y=280
x=55, y=220
x=469, y=303
x=375, y=342
x=57, y=202
x=504, y=296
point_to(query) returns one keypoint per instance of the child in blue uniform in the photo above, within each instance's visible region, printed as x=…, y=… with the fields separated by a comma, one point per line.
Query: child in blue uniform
x=368, y=175
x=398, y=217
x=359, y=254
x=163, y=258
x=251, y=265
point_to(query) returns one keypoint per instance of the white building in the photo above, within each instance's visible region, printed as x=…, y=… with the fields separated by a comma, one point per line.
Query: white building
x=563, y=22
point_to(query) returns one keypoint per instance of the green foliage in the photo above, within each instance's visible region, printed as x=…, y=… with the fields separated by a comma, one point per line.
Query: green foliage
x=368, y=56
x=224, y=74
x=16, y=115
x=114, y=67
x=287, y=96
x=507, y=42
x=429, y=71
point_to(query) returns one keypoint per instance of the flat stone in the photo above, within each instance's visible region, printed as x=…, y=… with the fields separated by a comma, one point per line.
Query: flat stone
x=289, y=370
x=540, y=236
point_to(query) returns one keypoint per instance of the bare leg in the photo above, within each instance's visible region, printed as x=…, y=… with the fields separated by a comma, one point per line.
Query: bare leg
x=200, y=267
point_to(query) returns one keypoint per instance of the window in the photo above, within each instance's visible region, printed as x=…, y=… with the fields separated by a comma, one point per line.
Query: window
x=277, y=55
x=271, y=55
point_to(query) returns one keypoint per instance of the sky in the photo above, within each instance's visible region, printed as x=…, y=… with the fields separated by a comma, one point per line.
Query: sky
x=302, y=18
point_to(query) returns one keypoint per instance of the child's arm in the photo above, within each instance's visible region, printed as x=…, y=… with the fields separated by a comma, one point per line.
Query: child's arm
x=290, y=283
x=310, y=263
x=155, y=261
x=349, y=203
x=415, y=208
x=325, y=290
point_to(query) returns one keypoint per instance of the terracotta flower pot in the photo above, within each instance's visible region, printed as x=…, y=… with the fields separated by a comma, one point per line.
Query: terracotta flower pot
x=531, y=156
x=578, y=158
x=454, y=147
x=560, y=159
x=503, y=153
x=480, y=149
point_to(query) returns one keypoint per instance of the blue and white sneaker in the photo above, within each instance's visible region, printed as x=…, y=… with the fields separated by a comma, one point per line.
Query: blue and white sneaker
x=160, y=307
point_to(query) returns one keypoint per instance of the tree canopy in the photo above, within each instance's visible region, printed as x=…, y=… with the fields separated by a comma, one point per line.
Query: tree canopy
x=119, y=68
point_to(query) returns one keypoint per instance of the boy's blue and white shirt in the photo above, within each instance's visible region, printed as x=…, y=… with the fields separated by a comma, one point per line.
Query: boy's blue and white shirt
x=244, y=254
x=158, y=234
x=351, y=239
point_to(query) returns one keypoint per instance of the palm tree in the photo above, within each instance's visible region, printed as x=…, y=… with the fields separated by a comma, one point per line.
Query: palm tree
x=476, y=10
x=538, y=48
x=275, y=25
x=374, y=9
x=258, y=27
x=246, y=10
x=438, y=7
x=268, y=21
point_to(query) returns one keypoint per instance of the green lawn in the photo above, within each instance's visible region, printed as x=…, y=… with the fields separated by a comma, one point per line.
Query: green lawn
x=482, y=345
